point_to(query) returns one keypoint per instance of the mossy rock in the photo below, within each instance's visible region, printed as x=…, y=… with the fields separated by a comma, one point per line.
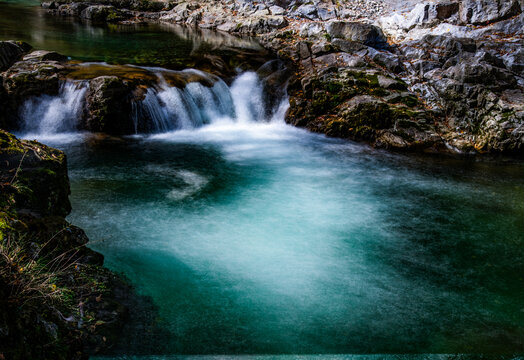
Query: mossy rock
x=35, y=175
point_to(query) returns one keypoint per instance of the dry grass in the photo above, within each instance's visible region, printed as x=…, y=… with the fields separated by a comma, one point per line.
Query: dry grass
x=32, y=278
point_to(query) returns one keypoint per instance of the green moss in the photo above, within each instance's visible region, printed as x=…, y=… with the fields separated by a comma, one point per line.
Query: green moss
x=286, y=35
x=10, y=144
x=410, y=101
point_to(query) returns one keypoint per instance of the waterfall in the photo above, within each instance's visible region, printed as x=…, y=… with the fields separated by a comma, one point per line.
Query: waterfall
x=170, y=108
x=162, y=108
x=46, y=114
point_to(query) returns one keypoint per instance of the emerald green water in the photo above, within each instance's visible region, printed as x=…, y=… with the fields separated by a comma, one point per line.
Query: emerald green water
x=265, y=239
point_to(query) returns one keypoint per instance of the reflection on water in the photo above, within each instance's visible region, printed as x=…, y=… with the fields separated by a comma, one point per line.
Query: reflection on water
x=160, y=44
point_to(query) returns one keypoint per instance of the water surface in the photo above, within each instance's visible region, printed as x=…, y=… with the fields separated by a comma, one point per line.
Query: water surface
x=159, y=44
x=265, y=239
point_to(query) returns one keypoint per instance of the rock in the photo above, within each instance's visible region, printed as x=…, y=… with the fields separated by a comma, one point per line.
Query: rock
x=11, y=52
x=366, y=34
x=194, y=19
x=478, y=12
x=514, y=61
x=261, y=25
x=73, y=9
x=108, y=106
x=50, y=256
x=326, y=14
x=43, y=55
x=43, y=172
x=348, y=46
x=102, y=13
x=307, y=12
x=277, y=10
x=389, y=140
x=482, y=73
x=30, y=78
x=312, y=29
x=389, y=83
x=446, y=10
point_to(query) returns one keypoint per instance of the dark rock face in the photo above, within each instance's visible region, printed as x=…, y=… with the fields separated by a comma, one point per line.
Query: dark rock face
x=11, y=52
x=27, y=78
x=109, y=106
x=55, y=299
x=40, y=168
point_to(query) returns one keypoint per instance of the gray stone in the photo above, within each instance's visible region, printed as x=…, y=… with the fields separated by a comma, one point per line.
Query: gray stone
x=307, y=11
x=325, y=14
x=277, y=10
x=479, y=12
x=363, y=33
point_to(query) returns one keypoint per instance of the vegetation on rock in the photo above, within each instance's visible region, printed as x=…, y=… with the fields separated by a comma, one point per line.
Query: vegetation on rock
x=54, y=294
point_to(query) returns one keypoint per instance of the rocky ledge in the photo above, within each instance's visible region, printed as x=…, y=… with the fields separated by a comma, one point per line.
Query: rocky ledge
x=440, y=75
x=54, y=293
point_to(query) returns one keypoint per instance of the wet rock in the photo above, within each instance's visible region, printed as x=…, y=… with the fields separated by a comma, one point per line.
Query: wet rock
x=30, y=78
x=108, y=106
x=43, y=55
x=102, y=13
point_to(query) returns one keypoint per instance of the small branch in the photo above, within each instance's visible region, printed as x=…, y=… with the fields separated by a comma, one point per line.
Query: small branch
x=18, y=168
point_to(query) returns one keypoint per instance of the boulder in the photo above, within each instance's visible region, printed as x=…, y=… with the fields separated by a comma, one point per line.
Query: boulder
x=482, y=73
x=102, y=13
x=11, y=52
x=31, y=78
x=307, y=12
x=42, y=172
x=366, y=34
x=108, y=106
x=478, y=12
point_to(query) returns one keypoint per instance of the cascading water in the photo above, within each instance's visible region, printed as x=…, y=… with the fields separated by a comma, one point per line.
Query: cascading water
x=163, y=108
x=48, y=114
x=171, y=108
